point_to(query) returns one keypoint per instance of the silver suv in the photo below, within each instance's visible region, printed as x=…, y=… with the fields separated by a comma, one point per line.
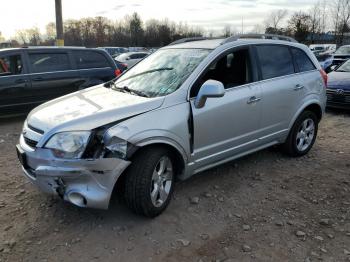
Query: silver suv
x=190, y=106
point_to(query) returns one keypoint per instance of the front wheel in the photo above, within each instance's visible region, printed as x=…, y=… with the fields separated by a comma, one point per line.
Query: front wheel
x=302, y=135
x=150, y=181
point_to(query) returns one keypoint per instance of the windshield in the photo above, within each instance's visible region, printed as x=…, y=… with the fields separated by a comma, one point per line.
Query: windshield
x=161, y=73
x=344, y=67
x=344, y=50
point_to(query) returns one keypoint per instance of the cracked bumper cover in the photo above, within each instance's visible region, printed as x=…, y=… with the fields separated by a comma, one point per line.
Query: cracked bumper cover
x=93, y=179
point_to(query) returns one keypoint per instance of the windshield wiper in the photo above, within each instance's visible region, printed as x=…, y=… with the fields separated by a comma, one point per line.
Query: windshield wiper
x=128, y=90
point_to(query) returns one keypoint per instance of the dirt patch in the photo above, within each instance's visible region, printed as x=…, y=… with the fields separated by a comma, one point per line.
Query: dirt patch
x=264, y=207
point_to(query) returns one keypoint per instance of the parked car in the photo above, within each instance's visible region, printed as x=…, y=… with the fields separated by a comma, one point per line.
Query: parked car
x=114, y=51
x=129, y=59
x=317, y=49
x=31, y=76
x=184, y=109
x=338, y=88
x=325, y=61
x=322, y=49
x=341, y=55
x=5, y=45
x=137, y=49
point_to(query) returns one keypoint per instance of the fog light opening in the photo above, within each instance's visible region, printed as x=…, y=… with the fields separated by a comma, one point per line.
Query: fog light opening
x=77, y=199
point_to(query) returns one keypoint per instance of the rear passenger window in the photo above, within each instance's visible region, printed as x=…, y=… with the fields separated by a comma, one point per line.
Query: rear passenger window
x=10, y=65
x=275, y=61
x=90, y=59
x=49, y=62
x=302, y=60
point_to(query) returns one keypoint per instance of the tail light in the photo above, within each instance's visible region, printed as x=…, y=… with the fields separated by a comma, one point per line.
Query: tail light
x=117, y=72
x=125, y=65
x=324, y=76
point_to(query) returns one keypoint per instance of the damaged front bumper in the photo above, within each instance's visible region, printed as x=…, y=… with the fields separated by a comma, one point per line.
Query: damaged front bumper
x=82, y=182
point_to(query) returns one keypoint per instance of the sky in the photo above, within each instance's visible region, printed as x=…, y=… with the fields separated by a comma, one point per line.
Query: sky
x=211, y=15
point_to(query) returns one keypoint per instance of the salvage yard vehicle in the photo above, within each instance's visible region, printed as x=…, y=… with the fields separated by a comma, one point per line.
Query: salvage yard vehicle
x=188, y=107
x=129, y=59
x=31, y=76
x=341, y=55
x=338, y=87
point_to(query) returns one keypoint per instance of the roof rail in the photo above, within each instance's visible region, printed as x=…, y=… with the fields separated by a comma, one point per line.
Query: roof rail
x=190, y=39
x=50, y=47
x=259, y=36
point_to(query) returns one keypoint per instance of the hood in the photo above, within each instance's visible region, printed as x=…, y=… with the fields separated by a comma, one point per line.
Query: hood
x=339, y=80
x=88, y=109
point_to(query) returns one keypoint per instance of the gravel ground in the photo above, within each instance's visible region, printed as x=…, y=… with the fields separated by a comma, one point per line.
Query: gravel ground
x=263, y=207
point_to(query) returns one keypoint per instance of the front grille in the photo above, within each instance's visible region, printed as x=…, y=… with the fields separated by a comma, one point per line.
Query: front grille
x=30, y=142
x=334, y=96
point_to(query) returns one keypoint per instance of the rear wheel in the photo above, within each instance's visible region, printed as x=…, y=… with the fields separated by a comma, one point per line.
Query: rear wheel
x=302, y=135
x=150, y=181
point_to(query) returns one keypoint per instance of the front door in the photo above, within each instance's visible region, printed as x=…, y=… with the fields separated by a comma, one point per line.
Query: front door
x=14, y=84
x=229, y=125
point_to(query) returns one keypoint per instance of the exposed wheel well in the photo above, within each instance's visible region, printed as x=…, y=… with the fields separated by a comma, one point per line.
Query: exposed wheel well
x=179, y=164
x=316, y=109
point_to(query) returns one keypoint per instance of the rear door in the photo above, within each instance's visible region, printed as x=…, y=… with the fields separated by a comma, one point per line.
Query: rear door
x=282, y=89
x=52, y=74
x=311, y=80
x=95, y=66
x=15, y=87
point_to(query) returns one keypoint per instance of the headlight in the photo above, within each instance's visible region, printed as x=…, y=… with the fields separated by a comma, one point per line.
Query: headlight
x=118, y=146
x=68, y=144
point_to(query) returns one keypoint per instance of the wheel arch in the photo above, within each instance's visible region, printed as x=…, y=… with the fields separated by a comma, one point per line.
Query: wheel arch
x=176, y=150
x=313, y=106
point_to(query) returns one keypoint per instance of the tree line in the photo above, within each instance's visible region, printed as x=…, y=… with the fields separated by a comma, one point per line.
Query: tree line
x=326, y=16
x=100, y=31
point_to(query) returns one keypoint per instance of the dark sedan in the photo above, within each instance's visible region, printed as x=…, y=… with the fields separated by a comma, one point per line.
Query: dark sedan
x=338, y=87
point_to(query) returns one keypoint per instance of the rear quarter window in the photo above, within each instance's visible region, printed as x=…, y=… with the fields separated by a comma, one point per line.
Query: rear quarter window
x=275, y=61
x=90, y=59
x=302, y=60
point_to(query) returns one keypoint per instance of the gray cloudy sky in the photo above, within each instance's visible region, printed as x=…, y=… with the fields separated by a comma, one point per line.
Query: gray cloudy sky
x=209, y=14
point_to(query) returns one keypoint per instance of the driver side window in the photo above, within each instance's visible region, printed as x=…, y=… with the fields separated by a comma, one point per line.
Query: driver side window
x=232, y=69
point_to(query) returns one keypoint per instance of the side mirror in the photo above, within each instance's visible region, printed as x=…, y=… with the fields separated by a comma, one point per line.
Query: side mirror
x=211, y=88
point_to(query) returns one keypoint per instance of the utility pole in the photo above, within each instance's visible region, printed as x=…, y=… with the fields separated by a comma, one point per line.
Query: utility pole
x=59, y=23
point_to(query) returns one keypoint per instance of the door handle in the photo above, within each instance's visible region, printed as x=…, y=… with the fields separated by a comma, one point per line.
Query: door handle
x=38, y=79
x=21, y=81
x=298, y=87
x=253, y=99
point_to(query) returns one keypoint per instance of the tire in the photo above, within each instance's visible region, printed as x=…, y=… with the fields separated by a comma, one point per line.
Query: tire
x=301, y=137
x=144, y=178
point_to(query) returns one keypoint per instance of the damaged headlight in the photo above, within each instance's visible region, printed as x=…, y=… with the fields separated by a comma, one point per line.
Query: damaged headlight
x=118, y=147
x=68, y=144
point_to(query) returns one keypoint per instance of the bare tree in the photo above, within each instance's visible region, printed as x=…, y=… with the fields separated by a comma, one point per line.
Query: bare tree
x=275, y=18
x=1, y=38
x=340, y=11
x=300, y=25
x=258, y=29
x=34, y=36
x=227, y=31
